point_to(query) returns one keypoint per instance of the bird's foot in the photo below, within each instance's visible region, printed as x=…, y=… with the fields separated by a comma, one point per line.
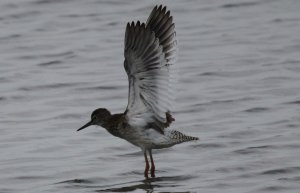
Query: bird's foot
x=146, y=175
x=153, y=172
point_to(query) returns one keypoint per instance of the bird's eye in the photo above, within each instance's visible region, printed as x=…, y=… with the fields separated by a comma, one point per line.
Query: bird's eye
x=94, y=117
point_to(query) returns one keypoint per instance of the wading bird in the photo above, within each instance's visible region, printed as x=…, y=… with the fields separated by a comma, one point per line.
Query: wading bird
x=150, y=52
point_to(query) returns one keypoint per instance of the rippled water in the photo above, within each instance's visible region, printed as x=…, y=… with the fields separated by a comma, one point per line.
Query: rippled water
x=238, y=90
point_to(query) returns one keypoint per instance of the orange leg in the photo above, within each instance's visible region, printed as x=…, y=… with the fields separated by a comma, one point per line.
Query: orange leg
x=152, y=164
x=147, y=165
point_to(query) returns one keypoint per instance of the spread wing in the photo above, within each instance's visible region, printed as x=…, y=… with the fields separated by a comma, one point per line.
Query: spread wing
x=150, y=52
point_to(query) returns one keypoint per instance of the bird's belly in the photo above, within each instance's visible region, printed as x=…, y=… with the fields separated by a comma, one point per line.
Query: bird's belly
x=146, y=138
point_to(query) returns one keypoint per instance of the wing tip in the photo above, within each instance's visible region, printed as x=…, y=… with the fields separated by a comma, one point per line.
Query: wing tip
x=161, y=7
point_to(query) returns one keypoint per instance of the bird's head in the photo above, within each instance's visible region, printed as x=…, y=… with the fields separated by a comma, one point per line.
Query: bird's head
x=98, y=117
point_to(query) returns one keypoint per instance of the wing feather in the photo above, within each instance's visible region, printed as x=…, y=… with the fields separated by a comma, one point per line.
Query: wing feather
x=150, y=50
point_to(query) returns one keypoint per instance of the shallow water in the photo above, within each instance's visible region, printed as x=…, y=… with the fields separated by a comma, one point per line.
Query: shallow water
x=238, y=90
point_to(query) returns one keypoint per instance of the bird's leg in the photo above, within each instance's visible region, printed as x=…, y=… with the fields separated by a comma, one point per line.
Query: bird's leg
x=147, y=165
x=152, y=164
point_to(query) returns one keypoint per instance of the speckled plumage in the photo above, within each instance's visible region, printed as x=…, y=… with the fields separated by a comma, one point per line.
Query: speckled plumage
x=150, y=52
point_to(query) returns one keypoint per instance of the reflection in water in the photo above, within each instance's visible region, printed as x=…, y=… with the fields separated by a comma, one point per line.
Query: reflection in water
x=147, y=185
x=143, y=185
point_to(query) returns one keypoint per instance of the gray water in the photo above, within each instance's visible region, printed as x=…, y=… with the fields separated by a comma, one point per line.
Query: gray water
x=238, y=91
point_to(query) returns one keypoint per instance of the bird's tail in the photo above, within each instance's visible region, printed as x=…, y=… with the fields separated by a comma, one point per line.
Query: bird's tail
x=178, y=137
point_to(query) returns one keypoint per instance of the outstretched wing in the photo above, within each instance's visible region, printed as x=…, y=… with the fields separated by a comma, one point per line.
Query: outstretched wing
x=150, y=51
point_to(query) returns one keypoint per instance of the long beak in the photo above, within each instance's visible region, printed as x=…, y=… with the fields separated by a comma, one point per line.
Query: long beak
x=85, y=126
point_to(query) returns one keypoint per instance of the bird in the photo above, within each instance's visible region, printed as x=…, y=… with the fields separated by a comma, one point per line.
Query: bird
x=150, y=51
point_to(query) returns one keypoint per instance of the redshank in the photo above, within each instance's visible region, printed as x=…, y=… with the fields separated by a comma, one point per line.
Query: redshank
x=150, y=52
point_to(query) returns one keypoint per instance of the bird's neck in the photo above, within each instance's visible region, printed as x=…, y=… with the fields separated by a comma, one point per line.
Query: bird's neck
x=112, y=124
